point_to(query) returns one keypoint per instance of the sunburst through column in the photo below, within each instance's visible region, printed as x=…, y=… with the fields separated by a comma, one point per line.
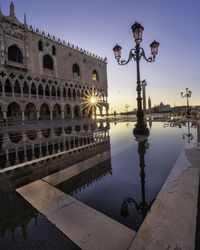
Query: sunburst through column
x=90, y=101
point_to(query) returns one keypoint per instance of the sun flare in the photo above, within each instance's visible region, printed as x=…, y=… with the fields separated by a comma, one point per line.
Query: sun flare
x=91, y=101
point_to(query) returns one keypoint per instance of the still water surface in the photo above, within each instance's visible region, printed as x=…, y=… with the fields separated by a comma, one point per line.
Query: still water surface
x=135, y=169
x=126, y=179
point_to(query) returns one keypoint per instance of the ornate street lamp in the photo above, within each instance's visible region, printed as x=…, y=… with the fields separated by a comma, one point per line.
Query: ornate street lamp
x=136, y=54
x=187, y=95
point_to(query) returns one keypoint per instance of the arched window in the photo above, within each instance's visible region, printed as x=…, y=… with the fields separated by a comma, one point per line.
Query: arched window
x=30, y=112
x=58, y=92
x=33, y=89
x=13, y=111
x=25, y=88
x=15, y=54
x=74, y=93
x=40, y=46
x=75, y=70
x=40, y=90
x=53, y=91
x=17, y=88
x=47, y=62
x=78, y=94
x=53, y=50
x=47, y=91
x=8, y=87
x=69, y=93
x=44, y=112
x=94, y=75
x=64, y=92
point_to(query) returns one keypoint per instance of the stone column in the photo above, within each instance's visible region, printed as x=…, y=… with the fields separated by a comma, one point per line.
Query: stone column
x=38, y=114
x=7, y=158
x=51, y=115
x=37, y=95
x=29, y=92
x=62, y=114
x=33, y=152
x=47, y=146
x=143, y=85
x=5, y=115
x=3, y=90
x=16, y=155
x=22, y=94
x=44, y=96
x=23, y=115
x=25, y=155
x=40, y=150
x=13, y=91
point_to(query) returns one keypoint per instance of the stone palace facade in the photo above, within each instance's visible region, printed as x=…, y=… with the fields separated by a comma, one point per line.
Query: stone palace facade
x=42, y=77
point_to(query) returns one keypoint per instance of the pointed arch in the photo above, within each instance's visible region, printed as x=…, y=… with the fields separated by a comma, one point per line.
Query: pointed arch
x=30, y=112
x=44, y=112
x=13, y=111
x=56, y=111
x=75, y=70
x=53, y=91
x=77, y=113
x=58, y=92
x=64, y=92
x=53, y=50
x=40, y=90
x=47, y=62
x=33, y=89
x=69, y=93
x=95, y=75
x=74, y=93
x=78, y=93
x=67, y=111
x=25, y=88
x=8, y=87
x=15, y=54
x=17, y=88
x=40, y=46
x=47, y=91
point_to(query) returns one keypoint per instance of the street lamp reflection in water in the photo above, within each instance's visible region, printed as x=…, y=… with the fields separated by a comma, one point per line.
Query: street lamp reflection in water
x=141, y=207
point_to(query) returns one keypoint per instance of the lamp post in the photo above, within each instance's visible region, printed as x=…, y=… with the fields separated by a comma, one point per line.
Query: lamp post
x=187, y=95
x=136, y=54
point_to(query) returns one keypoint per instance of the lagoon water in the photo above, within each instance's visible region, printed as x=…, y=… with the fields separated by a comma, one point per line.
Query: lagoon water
x=134, y=169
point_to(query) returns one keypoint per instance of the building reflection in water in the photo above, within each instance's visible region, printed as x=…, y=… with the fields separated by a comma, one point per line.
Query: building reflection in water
x=15, y=213
x=142, y=207
x=38, y=153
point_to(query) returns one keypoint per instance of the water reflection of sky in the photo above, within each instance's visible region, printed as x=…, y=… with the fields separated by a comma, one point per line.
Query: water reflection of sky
x=107, y=194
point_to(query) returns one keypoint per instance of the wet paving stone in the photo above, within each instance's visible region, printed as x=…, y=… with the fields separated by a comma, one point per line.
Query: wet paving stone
x=22, y=227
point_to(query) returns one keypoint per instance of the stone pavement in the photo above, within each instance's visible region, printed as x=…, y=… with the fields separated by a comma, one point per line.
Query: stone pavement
x=171, y=223
x=85, y=226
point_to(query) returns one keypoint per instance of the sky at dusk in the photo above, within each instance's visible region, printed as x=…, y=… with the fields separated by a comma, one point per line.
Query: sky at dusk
x=97, y=26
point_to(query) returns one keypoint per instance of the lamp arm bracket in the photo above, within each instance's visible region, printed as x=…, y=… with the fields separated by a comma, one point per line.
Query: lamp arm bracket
x=132, y=55
x=149, y=59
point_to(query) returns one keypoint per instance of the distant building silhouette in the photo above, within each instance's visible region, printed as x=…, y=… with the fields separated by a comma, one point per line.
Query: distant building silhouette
x=149, y=103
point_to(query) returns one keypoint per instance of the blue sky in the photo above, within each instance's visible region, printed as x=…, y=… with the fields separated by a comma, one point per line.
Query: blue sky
x=97, y=25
